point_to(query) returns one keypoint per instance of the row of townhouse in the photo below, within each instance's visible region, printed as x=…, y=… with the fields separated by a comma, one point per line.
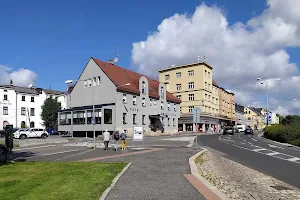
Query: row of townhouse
x=21, y=106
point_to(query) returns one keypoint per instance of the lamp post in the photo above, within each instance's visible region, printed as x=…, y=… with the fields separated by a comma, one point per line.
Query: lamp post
x=94, y=130
x=127, y=84
x=266, y=82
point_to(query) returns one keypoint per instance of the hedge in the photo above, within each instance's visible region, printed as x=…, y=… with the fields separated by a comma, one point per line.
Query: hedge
x=284, y=133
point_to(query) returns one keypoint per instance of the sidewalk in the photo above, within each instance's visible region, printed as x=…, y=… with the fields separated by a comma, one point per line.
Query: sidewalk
x=156, y=175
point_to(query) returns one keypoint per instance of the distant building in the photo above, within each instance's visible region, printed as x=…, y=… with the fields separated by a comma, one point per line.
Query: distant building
x=123, y=99
x=240, y=115
x=21, y=106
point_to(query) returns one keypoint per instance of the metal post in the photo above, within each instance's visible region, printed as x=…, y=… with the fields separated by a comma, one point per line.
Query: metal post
x=94, y=120
x=196, y=137
x=71, y=115
x=267, y=103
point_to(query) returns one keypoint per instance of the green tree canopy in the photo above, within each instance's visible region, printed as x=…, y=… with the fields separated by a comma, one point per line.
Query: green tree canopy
x=291, y=119
x=49, y=112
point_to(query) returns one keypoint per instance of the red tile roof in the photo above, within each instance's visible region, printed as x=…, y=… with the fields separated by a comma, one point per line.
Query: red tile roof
x=120, y=76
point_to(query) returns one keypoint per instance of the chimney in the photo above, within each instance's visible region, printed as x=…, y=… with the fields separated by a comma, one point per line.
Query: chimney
x=111, y=62
x=11, y=82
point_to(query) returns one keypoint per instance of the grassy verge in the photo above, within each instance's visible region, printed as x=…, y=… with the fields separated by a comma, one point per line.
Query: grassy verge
x=49, y=180
x=3, y=142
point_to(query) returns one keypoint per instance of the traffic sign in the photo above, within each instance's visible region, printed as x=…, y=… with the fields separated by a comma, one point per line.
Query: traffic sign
x=196, y=115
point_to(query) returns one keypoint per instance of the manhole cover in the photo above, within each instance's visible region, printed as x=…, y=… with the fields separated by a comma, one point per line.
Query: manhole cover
x=280, y=187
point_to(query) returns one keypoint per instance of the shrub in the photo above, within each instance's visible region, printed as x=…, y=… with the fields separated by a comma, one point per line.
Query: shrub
x=283, y=133
x=296, y=142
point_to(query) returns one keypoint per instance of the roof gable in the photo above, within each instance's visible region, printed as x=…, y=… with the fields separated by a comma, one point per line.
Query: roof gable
x=120, y=76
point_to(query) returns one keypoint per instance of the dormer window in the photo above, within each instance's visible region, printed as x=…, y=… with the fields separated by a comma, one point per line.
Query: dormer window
x=144, y=102
x=143, y=87
x=124, y=98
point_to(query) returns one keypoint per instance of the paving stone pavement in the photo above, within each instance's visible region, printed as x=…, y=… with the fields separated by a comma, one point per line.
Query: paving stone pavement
x=240, y=182
x=156, y=175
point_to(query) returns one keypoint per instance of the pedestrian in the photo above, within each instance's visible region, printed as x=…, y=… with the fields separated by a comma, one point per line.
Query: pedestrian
x=116, y=136
x=105, y=138
x=123, y=138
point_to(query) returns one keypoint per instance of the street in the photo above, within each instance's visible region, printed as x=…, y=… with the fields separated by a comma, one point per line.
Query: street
x=273, y=159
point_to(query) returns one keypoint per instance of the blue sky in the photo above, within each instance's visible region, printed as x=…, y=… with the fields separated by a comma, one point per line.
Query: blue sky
x=56, y=38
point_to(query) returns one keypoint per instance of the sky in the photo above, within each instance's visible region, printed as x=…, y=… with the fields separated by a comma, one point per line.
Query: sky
x=46, y=43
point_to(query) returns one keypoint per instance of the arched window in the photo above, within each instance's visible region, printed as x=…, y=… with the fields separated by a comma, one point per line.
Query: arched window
x=31, y=124
x=143, y=87
x=23, y=125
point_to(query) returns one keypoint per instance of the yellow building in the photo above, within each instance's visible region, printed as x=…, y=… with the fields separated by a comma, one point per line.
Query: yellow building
x=193, y=84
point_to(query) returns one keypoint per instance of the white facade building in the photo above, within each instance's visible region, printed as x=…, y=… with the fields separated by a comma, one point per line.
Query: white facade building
x=22, y=107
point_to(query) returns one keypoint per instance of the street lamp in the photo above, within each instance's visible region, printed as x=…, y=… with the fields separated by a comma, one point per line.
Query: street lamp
x=266, y=83
x=94, y=130
x=127, y=84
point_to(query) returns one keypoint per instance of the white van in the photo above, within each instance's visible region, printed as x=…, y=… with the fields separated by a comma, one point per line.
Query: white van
x=24, y=133
x=241, y=128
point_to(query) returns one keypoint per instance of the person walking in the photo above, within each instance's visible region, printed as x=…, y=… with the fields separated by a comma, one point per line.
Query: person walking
x=116, y=136
x=105, y=138
x=123, y=138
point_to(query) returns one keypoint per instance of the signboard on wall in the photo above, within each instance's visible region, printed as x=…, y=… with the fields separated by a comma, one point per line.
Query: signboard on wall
x=138, y=133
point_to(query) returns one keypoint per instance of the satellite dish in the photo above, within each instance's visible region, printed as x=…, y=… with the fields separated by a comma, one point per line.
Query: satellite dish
x=116, y=59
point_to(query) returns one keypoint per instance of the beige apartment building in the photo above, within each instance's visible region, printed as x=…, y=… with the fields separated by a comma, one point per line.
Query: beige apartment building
x=193, y=84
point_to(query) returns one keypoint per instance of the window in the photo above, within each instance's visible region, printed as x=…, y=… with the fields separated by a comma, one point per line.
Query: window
x=23, y=111
x=209, y=74
x=191, y=97
x=179, y=97
x=154, y=103
x=124, y=118
x=178, y=74
x=143, y=87
x=191, y=85
x=78, y=117
x=143, y=102
x=178, y=86
x=65, y=119
x=134, y=118
x=209, y=86
x=191, y=109
x=151, y=103
x=180, y=109
x=162, y=92
x=134, y=100
x=206, y=96
x=85, y=83
x=32, y=99
x=23, y=98
x=205, y=85
x=169, y=106
x=124, y=98
x=5, y=97
x=89, y=116
x=98, y=115
x=5, y=90
x=32, y=112
x=94, y=81
x=98, y=80
x=168, y=121
x=107, y=116
x=174, y=122
x=31, y=124
x=174, y=107
x=213, y=99
x=167, y=76
x=144, y=120
x=89, y=82
x=162, y=105
x=5, y=110
x=205, y=73
x=191, y=73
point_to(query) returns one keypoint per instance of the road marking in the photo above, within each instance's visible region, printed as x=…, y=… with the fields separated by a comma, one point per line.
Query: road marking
x=273, y=153
x=257, y=150
x=181, y=139
x=49, y=154
x=254, y=139
x=250, y=143
x=240, y=137
x=242, y=143
x=293, y=159
x=270, y=145
x=77, y=154
x=191, y=142
x=34, y=147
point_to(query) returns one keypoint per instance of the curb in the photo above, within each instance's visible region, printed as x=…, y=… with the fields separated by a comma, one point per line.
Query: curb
x=106, y=192
x=284, y=144
x=194, y=171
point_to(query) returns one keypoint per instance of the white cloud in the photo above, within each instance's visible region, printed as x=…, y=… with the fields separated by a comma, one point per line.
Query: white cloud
x=21, y=77
x=239, y=53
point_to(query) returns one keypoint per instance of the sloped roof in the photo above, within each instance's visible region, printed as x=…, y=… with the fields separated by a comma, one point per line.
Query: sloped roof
x=120, y=76
x=239, y=108
x=25, y=90
x=54, y=92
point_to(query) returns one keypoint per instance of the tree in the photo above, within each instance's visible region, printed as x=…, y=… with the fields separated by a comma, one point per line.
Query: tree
x=291, y=119
x=49, y=112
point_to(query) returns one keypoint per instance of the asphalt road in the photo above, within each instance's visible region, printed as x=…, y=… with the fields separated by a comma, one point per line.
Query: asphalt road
x=273, y=159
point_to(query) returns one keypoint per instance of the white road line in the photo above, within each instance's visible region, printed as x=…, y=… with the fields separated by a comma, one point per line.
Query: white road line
x=191, y=142
x=293, y=159
x=49, y=154
x=250, y=143
x=270, y=145
x=34, y=147
x=273, y=153
x=254, y=139
x=242, y=143
x=257, y=150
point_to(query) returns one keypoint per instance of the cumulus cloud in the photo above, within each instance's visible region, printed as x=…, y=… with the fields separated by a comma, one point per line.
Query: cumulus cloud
x=240, y=52
x=21, y=77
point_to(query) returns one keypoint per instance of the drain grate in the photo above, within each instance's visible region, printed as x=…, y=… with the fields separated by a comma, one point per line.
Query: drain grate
x=280, y=187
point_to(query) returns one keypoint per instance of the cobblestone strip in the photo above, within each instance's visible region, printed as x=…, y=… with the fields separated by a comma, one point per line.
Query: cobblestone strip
x=239, y=182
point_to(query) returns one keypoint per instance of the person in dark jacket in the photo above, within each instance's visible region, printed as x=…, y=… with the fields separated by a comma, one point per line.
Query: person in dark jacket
x=116, y=136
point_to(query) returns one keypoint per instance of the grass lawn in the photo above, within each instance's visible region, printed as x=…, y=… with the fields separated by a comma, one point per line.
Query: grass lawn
x=56, y=180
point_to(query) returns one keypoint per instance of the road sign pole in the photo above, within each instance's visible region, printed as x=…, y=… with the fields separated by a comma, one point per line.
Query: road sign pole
x=196, y=137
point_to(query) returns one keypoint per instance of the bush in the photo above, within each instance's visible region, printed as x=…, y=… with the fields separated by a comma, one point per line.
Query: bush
x=283, y=133
x=296, y=142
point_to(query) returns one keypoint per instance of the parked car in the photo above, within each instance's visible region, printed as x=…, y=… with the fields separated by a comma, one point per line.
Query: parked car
x=248, y=130
x=241, y=128
x=230, y=130
x=24, y=133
